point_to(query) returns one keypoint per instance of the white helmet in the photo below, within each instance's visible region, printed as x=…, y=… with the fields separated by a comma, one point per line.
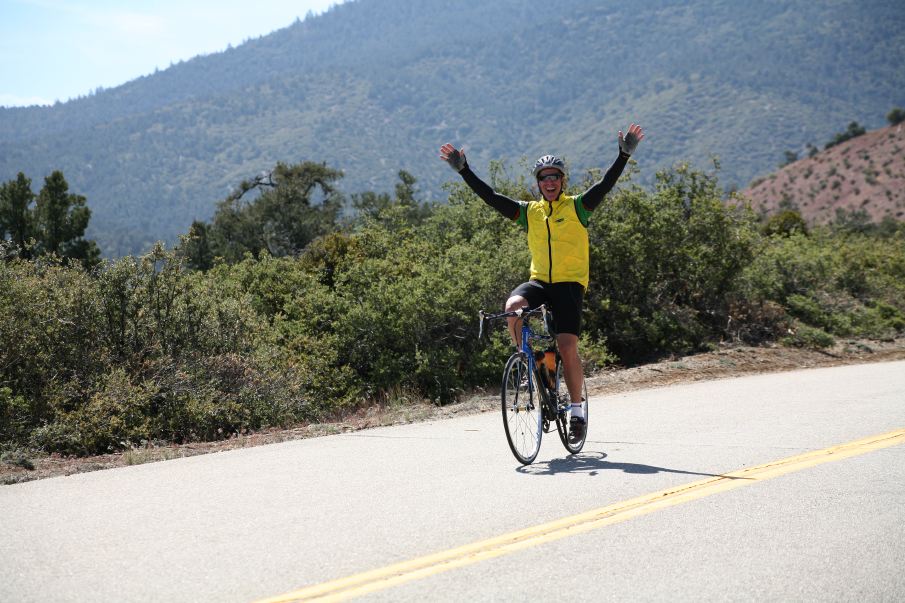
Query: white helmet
x=549, y=161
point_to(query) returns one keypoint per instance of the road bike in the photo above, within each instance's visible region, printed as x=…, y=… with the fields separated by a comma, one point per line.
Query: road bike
x=532, y=380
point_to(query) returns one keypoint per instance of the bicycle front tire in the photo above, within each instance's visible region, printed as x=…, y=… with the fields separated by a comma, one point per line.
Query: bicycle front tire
x=522, y=409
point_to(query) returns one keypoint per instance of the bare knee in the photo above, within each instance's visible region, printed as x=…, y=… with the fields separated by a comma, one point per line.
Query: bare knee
x=515, y=302
x=568, y=345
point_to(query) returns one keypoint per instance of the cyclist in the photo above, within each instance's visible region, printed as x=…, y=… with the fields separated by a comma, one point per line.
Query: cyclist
x=558, y=242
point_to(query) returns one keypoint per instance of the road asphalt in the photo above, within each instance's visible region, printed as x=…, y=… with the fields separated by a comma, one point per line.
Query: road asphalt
x=260, y=522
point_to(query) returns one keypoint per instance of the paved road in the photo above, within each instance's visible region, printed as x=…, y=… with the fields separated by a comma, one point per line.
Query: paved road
x=260, y=522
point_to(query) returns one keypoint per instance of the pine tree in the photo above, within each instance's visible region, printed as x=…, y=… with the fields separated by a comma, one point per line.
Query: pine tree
x=196, y=248
x=16, y=219
x=61, y=219
x=285, y=216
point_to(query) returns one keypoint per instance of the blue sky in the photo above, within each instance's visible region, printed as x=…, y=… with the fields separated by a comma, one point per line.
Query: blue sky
x=60, y=49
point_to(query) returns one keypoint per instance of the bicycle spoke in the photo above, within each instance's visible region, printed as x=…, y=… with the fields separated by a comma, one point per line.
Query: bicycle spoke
x=521, y=410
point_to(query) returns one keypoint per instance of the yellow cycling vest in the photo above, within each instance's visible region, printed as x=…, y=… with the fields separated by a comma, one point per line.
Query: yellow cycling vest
x=557, y=239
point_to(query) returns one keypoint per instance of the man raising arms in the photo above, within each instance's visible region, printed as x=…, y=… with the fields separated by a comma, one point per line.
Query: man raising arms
x=558, y=241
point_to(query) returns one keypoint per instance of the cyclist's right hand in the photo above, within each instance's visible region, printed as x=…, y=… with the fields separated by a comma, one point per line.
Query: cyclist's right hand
x=454, y=157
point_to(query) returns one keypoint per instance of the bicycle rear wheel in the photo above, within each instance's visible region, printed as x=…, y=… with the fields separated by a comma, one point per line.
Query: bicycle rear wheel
x=522, y=416
x=573, y=445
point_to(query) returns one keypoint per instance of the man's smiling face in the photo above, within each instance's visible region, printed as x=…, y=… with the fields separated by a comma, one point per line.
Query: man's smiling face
x=549, y=182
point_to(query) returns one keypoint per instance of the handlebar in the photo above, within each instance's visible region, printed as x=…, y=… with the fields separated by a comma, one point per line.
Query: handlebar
x=520, y=313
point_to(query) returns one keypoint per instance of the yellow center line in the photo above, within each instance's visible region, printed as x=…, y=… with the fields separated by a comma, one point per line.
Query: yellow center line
x=420, y=567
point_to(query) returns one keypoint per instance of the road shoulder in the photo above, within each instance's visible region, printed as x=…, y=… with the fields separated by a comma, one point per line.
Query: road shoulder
x=726, y=362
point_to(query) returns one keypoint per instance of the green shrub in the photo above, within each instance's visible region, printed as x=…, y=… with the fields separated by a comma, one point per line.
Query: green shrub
x=115, y=416
x=594, y=353
x=61, y=436
x=665, y=263
x=142, y=349
x=15, y=419
x=803, y=336
x=785, y=223
x=890, y=315
x=847, y=284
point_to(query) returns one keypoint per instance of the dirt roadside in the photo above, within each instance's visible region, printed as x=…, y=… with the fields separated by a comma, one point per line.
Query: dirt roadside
x=726, y=362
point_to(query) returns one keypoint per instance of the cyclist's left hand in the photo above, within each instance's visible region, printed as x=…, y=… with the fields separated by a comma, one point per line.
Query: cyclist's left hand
x=629, y=142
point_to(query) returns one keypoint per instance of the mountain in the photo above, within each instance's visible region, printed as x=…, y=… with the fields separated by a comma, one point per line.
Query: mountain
x=864, y=173
x=374, y=86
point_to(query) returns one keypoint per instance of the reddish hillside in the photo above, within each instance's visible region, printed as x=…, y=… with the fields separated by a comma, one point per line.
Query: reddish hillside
x=866, y=172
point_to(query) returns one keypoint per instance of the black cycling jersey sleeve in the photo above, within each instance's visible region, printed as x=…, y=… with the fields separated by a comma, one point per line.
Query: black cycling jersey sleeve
x=503, y=204
x=594, y=195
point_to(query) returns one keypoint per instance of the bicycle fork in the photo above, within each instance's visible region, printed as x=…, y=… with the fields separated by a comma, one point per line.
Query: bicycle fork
x=529, y=379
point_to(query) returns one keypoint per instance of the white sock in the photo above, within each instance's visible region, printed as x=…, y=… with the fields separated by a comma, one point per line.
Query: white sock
x=577, y=410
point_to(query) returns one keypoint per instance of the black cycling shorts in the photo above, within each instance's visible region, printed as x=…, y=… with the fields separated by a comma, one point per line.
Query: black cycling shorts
x=565, y=299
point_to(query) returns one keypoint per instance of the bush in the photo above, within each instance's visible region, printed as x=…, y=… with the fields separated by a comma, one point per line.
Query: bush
x=14, y=419
x=846, y=284
x=50, y=326
x=803, y=336
x=143, y=349
x=594, y=353
x=785, y=223
x=664, y=263
x=80, y=348
x=115, y=416
x=854, y=130
x=403, y=299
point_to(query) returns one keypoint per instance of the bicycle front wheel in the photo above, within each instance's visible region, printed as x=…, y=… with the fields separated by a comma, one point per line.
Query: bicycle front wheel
x=522, y=413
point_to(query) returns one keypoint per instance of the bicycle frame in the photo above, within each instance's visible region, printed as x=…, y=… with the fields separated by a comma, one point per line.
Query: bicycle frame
x=544, y=405
x=528, y=335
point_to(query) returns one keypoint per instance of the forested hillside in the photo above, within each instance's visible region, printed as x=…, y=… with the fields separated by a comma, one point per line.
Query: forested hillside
x=374, y=86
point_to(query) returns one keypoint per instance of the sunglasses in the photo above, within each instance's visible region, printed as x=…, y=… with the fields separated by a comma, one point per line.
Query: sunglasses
x=554, y=177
